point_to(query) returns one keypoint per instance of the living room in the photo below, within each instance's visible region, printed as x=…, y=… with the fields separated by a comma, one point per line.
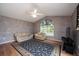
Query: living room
x=47, y=23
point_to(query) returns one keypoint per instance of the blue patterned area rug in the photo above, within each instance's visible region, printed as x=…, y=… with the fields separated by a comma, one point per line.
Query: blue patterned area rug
x=37, y=48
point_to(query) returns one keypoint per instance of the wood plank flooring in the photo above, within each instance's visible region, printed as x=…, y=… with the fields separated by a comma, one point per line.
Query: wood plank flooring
x=9, y=50
x=63, y=53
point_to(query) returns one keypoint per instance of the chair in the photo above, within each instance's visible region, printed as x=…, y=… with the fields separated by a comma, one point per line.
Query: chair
x=68, y=45
x=40, y=36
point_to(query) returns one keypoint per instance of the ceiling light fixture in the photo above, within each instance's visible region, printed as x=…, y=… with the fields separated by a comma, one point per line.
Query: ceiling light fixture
x=34, y=16
x=35, y=13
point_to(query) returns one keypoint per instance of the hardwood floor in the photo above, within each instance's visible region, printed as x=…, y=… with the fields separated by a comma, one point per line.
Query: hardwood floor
x=9, y=50
x=63, y=53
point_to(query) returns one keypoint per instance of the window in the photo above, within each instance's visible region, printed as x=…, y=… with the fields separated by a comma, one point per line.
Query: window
x=47, y=27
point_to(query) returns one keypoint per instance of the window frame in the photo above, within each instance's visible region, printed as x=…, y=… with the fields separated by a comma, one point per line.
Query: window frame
x=53, y=29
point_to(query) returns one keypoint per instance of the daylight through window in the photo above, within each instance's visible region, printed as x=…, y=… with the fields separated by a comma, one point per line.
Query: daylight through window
x=47, y=27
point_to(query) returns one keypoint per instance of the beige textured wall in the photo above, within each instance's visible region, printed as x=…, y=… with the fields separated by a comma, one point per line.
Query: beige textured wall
x=13, y=25
x=10, y=25
x=60, y=24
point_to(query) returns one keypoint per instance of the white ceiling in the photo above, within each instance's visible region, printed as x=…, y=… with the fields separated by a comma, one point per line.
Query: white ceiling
x=21, y=11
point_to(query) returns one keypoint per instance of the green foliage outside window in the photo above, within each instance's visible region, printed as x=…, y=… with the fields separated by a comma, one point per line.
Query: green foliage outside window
x=47, y=27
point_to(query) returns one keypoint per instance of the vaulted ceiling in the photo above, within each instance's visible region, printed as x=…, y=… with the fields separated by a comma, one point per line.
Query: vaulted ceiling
x=21, y=11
